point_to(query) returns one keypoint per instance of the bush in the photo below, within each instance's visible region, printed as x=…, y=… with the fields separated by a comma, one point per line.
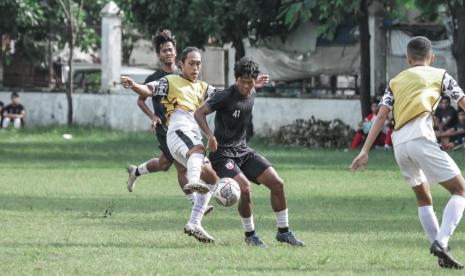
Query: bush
x=315, y=133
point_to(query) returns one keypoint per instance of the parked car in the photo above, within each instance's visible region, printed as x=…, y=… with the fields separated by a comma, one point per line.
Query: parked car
x=87, y=76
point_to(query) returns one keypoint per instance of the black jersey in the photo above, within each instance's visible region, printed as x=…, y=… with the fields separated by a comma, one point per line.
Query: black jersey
x=233, y=115
x=158, y=109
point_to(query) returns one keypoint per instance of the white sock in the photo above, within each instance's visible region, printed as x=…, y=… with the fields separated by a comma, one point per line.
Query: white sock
x=191, y=197
x=200, y=204
x=450, y=219
x=194, y=167
x=248, y=224
x=282, y=219
x=429, y=222
x=6, y=122
x=142, y=168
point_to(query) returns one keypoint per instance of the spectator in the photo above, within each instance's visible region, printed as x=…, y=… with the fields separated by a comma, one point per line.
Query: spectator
x=445, y=114
x=454, y=137
x=13, y=112
x=365, y=126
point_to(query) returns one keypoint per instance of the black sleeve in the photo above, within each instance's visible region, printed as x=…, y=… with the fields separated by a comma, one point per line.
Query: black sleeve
x=217, y=99
x=150, y=78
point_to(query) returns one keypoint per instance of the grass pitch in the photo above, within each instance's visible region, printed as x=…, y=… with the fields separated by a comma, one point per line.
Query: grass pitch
x=64, y=209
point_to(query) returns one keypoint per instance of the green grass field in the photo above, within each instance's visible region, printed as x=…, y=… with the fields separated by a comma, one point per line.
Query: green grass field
x=64, y=209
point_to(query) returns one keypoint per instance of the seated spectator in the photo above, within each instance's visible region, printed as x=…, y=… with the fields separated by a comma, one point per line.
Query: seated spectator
x=445, y=114
x=13, y=112
x=454, y=137
x=384, y=137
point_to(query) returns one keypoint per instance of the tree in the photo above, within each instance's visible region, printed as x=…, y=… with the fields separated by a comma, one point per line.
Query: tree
x=73, y=13
x=203, y=22
x=329, y=15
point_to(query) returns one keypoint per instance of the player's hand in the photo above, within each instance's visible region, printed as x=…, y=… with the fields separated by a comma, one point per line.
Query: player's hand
x=212, y=144
x=262, y=81
x=155, y=122
x=127, y=82
x=359, y=162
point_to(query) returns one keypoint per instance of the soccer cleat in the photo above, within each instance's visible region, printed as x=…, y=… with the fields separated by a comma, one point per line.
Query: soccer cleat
x=196, y=187
x=198, y=232
x=255, y=240
x=208, y=210
x=289, y=238
x=445, y=259
x=132, y=177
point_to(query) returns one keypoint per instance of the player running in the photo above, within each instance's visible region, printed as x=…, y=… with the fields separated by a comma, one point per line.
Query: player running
x=165, y=46
x=181, y=95
x=412, y=96
x=232, y=157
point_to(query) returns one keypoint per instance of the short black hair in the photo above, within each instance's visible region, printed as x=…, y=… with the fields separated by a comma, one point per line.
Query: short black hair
x=14, y=95
x=375, y=101
x=419, y=48
x=246, y=67
x=161, y=38
x=1, y=103
x=186, y=51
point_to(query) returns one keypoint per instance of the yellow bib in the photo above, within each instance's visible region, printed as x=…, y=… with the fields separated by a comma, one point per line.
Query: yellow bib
x=183, y=94
x=416, y=90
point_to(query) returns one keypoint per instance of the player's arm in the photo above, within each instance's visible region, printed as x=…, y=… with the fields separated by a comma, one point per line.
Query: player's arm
x=362, y=159
x=201, y=117
x=143, y=106
x=451, y=88
x=140, y=89
x=386, y=104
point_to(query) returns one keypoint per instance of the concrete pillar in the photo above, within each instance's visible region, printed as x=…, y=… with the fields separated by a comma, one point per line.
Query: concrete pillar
x=378, y=47
x=111, y=46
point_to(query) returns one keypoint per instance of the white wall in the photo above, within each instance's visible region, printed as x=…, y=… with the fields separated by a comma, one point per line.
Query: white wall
x=119, y=111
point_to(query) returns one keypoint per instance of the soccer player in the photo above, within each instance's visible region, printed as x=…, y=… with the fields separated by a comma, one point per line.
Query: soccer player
x=165, y=46
x=232, y=157
x=181, y=95
x=412, y=96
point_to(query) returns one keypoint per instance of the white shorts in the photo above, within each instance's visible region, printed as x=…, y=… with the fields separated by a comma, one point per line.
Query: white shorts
x=422, y=161
x=181, y=139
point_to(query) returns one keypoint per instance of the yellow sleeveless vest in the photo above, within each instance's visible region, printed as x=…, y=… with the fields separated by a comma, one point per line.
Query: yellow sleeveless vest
x=183, y=94
x=416, y=90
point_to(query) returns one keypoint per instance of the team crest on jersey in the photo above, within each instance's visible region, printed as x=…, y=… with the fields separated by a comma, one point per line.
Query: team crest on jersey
x=229, y=165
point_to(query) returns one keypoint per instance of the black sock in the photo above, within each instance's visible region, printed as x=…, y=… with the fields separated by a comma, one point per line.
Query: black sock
x=283, y=230
x=249, y=234
x=137, y=171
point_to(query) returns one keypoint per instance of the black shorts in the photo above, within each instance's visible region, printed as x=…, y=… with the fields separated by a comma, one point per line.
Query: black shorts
x=164, y=146
x=231, y=162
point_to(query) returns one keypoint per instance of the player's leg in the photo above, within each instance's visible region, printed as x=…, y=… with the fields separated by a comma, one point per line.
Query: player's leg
x=260, y=170
x=270, y=178
x=153, y=165
x=416, y=179
x=227, y=167
x=439, y=167
x=451, y=217
x=183, y=144
x=162, y=163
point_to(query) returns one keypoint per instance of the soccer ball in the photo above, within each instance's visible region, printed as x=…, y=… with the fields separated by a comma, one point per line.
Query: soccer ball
x=227, y=192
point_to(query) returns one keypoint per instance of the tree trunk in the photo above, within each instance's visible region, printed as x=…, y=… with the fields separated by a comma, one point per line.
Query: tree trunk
x=365, y=97
x=239, y=47
x=69, y=91
x=458, y=48
x=51, y=80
